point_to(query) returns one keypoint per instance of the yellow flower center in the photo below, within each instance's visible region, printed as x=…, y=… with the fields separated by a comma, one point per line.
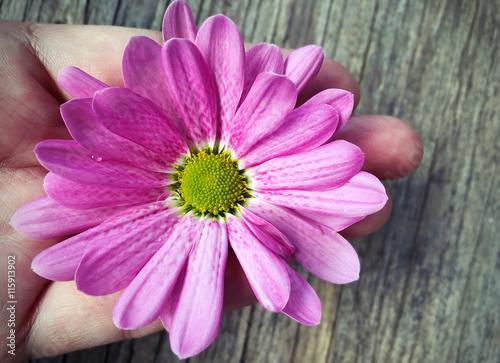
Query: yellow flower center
x=210, y=184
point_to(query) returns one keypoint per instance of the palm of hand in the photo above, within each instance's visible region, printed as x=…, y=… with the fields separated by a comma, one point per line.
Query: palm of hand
x=30, y=101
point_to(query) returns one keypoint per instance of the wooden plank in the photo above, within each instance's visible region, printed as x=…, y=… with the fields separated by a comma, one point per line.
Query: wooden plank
x=13, y=10
x=429, y=286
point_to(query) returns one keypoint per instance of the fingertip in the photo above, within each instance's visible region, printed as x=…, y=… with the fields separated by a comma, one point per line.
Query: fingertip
x=331, y=75
x=99, y=51
x=392, y=148
x=370, y=223
x=237, y=291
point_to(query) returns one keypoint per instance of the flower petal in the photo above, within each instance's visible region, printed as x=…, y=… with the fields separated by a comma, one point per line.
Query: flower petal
x=270, y=99
x=303, y=64
x=59, y=262
x=304, y=304
x=167, y=315
x=80, y=196
x=220, y=42
x=192, y=88
x=143, y=300
x=136, y=118
x=178, y=22
x=364, y=194
x=341, y=100
x=143, y=73
x=325, y=167
x=78, y=83
x=198, y=315
x=69, y=160
x=89, y=132
x=333, y=222
x=43, y=218
x=262, y=57
x=318, y=249
x=120, y=251
x=305, y=128
x=264, y=270
x=268, y=235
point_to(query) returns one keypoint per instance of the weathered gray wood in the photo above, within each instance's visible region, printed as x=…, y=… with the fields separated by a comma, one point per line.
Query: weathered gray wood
x=429, y=288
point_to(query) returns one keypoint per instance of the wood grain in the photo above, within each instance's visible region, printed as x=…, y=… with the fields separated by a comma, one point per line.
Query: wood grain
x=430, y=288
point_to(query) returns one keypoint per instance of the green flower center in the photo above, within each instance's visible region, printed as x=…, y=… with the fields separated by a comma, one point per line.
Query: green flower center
x=210, y=183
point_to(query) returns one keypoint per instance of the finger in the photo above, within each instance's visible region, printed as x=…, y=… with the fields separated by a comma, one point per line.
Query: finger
x=237, y=290
x=69, y=320
x=97, y=50
x=370, y=223
x=331, y=75
x=392, y=148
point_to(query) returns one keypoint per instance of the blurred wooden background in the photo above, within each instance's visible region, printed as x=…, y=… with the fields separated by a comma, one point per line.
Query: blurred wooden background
x=430, y=283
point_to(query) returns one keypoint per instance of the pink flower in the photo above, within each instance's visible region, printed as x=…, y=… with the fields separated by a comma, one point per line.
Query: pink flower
x=201, y=150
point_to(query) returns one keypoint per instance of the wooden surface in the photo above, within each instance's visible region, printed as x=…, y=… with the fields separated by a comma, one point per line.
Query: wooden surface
x=430, y=283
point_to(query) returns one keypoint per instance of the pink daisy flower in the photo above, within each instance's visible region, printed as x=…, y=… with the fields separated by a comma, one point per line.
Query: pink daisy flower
x=202, y=150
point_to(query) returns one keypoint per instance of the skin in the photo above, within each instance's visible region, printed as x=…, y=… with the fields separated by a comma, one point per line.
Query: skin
x=53, y=317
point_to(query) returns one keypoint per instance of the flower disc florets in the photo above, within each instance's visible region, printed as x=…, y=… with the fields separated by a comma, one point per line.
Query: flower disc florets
x=210, y=183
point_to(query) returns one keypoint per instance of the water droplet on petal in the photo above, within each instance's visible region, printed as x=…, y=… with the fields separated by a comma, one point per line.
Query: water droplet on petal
x=96, y=158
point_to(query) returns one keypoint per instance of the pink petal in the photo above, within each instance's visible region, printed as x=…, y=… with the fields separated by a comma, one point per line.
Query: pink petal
x=333, y=222
x=326, y=167
x=220, y=42
x=268, y=235
x=120, y=251
x=260, y=58
x=143, y=73
x=136, y=118
x=59, y=262
x=197, y=318
x=90, y=133
x=69, y=160
x=318, y=249
x=364, y=194
x=342, y=101
x=43, y=218
x=303, y=64
x=78, y=83
x=80, y=196
x=178, y=22
x=305, y=128
x=192, y=88
x=143, y=300
x=167, y=315
x=264, y=270
x=270, y=99
x=304, y=304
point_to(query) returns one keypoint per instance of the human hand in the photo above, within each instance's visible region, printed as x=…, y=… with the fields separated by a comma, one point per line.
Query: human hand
x=53, y=317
